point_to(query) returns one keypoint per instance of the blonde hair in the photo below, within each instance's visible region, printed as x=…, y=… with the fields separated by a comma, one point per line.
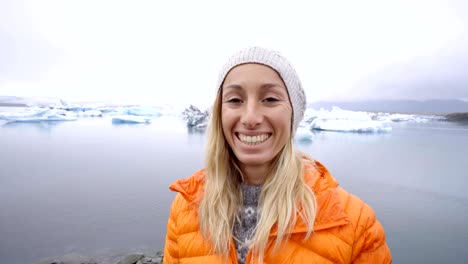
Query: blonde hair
x=284, y=194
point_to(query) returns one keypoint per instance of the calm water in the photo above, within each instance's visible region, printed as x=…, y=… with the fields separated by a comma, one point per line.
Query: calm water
x=88, y=185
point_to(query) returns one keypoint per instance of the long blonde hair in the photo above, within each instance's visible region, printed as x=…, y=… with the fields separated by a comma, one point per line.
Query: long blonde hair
x=283, y=195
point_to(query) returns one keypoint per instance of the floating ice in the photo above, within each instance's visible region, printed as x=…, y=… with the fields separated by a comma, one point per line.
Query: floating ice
x=141, y=111
x=338, y=119
x=28, y=112
x=337, y=114
x=37, y=114
x=45, y=118
x=90, y=113
x=106, y=110
x=64, y=111
x=195, y=117
x=129, y=119
x=343, y=125
x=78, y=108
x=403, y=118
x=303, y=135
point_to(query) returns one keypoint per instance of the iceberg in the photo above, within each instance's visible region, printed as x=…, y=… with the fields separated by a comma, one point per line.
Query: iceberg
x=106, y=110
x=303, y=135
x=341, y=120
x=337, y=114
x=78, y=108
x=28, y=112
x=403, y=118
x=36, y=114
x=129, y=119
x=86, y=110
x=195, y=117
x=141, y=111
x=90, y=113
x=38, y=109
x=344, y=125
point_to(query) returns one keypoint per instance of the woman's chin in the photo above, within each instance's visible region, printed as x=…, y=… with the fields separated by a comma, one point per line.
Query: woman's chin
x=255, y=160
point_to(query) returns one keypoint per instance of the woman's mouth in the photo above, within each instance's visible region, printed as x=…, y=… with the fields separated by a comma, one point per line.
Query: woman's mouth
x=253, y=140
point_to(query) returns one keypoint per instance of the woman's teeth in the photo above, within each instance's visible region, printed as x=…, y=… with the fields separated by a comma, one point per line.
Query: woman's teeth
x=252, y=140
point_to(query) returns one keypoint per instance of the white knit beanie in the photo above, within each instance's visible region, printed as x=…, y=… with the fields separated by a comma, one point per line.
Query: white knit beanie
x=280, y=64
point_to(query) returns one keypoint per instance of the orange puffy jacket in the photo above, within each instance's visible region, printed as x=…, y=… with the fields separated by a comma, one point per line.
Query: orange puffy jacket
x=345, y=231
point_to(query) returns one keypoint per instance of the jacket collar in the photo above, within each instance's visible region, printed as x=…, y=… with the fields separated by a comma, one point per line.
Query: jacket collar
x=330, y=212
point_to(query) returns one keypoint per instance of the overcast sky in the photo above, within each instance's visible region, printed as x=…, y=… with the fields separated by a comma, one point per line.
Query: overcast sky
x=171, y=51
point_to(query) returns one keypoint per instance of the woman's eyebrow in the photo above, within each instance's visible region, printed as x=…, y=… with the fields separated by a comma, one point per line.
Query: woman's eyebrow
x=263, y=86
x=233, y=86
x=271, y=85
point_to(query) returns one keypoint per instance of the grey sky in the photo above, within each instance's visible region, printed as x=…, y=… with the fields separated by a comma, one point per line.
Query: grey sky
x=443, y=75
x=171, y=51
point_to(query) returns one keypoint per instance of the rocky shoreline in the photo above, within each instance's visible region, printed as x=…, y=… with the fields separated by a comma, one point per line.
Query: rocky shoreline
x=133, y=258
x=457, y=117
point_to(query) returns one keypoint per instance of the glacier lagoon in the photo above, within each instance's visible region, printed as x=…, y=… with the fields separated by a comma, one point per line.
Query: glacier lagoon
x=92, y=185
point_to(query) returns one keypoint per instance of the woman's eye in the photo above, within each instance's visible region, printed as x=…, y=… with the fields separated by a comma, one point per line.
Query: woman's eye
x=271, y=100
x=234, y=100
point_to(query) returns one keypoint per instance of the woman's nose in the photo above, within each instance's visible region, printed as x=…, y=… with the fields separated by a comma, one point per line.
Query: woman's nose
x=251, y=116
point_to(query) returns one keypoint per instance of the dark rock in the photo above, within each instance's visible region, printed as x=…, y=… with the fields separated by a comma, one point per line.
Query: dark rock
x=50, y=262
x=71, y=258
x=131, y=259
x=457, y=117
x=108, y=257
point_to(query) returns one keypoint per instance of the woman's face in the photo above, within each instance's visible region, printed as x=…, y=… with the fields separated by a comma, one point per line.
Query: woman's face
x=255, y=113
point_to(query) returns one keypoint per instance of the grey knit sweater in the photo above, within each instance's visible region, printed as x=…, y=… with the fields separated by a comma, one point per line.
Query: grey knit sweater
x=244, y=230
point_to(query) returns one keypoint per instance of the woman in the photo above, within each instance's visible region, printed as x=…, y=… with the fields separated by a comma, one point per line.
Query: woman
x=258, y=200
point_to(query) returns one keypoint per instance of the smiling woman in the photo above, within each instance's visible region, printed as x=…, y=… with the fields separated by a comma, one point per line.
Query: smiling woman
x=256, y=118
x=258, y=200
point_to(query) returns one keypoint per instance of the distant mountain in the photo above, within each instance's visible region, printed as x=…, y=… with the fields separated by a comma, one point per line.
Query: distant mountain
x=4, y=99
x=24, y=101
x=399, y=106
x=11, y=101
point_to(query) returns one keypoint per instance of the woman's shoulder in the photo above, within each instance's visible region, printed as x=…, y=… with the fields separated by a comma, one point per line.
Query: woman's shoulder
x=189, y=188
x=317, y=176
x=358, y=211
x=369, y=235
x=330, y=194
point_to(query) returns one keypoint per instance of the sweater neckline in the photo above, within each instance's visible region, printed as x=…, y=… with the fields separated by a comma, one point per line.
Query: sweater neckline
x=251, y=194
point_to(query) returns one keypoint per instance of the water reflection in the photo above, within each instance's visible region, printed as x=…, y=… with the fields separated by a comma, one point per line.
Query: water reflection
x=196, y=135
x=306, y=137
x=41, y=126
x=196, y=130
x=348, y=137
x=122, y=124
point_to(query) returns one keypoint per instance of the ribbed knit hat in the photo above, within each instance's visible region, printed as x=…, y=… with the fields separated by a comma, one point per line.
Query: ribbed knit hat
x=281, y=65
